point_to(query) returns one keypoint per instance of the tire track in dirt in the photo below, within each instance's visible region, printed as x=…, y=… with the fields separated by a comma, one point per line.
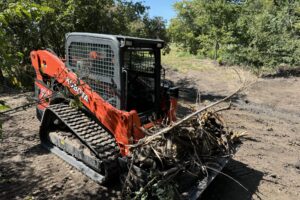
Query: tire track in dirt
x=43, y=177
x=29, y=171
x=289, y=116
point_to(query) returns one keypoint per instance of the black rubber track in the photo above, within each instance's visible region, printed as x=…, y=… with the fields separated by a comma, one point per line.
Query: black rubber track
x=91, y=134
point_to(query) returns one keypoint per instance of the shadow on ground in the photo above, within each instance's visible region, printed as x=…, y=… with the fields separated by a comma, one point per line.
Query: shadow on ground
x=34, y=174
x=226, y=189
x=284, y=73
x=189, y=92
x=17, y=177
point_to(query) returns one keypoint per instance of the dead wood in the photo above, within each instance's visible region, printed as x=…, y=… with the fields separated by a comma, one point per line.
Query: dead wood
x=146, y=140
x=173, y=160
x=171, y=157
x=224, y=108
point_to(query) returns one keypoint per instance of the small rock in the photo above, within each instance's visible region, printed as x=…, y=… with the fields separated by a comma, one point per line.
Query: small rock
x=65, y=179
x=297, y=165
x=270, y=129
x=242, y=127
x=59, y=186
x=36, y=192
x=273, y=175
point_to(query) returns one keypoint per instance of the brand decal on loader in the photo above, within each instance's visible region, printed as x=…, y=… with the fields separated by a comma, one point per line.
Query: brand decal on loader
x=77, y=89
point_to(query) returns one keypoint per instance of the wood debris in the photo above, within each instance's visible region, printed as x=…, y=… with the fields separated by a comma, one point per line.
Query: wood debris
x=167, y=165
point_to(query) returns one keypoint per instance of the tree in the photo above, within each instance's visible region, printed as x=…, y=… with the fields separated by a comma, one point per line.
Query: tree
x=269, y=38
x=255, y=33
x=20, y=33
x=26, y=25
x=206, y=26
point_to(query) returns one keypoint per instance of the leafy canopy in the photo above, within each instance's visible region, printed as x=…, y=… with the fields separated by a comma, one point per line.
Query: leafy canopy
x=256, y=33
x=26, y=25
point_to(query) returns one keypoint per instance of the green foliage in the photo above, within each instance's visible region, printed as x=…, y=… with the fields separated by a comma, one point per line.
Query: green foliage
x=255, y=33
x=202, y=26
x=26, y=25
x=76, y=103
x=3, y=107
x=161, y=190
x=20, y=31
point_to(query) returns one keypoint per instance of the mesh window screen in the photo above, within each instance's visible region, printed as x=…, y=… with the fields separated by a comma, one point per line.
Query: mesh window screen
x=94, y=60
x=105, y=90
x=140, y=61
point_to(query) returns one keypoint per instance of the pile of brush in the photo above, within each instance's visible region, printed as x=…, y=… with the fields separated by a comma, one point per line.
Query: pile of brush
x=163, y=166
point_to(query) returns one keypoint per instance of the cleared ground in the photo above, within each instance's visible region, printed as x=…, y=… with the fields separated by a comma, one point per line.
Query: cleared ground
x=267, y=164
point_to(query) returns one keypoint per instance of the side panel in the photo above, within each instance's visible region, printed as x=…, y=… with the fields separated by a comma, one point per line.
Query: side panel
x=43, y=94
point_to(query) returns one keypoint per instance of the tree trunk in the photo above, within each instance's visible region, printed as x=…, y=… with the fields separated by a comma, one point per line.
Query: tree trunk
x=216, y=50
x=1, y=77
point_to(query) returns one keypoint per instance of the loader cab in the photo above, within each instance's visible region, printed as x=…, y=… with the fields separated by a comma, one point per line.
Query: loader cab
x=141, y=72
x=124, y=71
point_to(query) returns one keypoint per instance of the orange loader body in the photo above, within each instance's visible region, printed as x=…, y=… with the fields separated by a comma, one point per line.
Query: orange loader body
x=125, y=126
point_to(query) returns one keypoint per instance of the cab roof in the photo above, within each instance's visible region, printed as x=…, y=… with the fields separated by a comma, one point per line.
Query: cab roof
x=124, y=41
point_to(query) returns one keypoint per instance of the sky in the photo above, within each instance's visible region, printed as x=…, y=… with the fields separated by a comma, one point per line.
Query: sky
x=161, y=8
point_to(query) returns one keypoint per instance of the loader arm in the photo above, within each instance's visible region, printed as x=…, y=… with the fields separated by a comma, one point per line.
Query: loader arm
x=125, y=126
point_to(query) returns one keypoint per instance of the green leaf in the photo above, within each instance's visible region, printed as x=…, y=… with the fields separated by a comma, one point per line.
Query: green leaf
x=20, y=54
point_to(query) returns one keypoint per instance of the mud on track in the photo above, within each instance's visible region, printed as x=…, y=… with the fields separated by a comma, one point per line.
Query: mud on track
x=267, y=162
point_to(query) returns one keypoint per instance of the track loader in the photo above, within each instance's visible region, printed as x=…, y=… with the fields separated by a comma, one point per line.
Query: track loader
x=101, y=99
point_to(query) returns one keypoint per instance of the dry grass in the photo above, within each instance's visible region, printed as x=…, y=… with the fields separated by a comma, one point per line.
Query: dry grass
x=186, y=63
x=183, y=61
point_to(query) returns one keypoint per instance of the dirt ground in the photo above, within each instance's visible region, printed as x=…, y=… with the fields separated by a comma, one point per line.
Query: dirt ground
x=267, y=164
